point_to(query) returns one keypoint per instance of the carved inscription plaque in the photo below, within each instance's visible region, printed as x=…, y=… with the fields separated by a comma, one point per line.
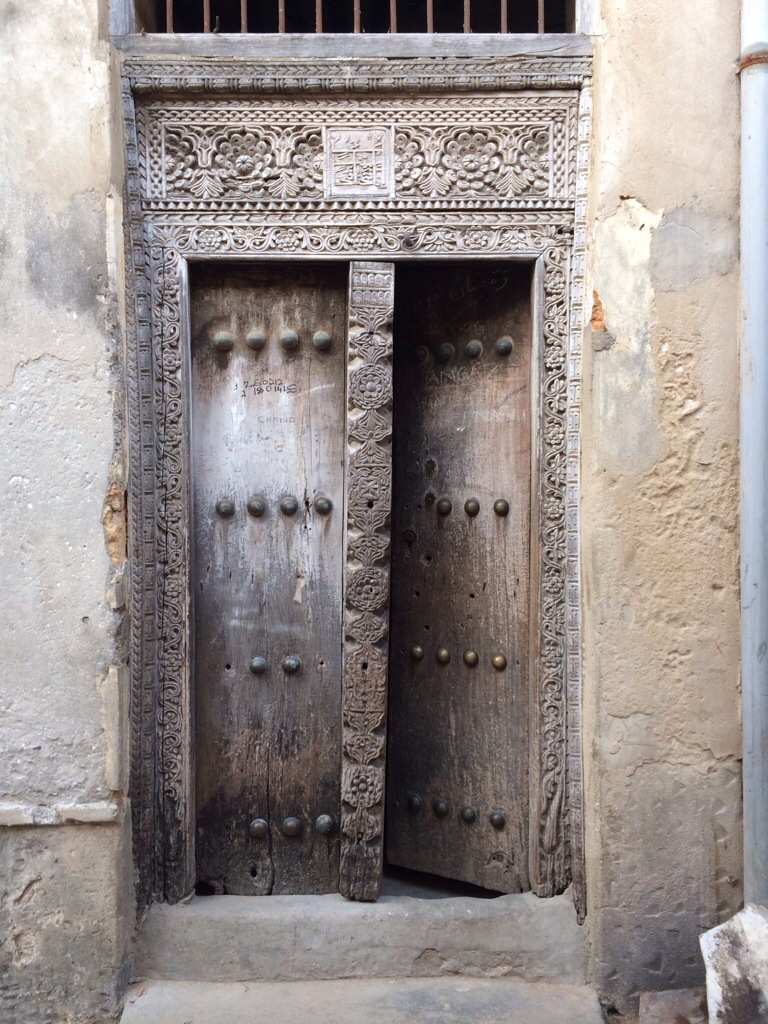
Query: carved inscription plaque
x=359, y=163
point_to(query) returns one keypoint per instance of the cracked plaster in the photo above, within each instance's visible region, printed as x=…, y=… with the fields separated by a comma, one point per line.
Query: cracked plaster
x=64, y=913
x=660, y=497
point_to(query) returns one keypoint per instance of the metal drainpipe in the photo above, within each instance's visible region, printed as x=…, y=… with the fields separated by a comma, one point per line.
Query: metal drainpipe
x=754, y=443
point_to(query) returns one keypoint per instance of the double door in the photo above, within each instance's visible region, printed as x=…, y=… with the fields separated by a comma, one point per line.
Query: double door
x=270, y=490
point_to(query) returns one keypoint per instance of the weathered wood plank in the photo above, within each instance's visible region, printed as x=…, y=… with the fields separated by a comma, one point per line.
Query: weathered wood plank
x=274, y=46
x=267, y=423
x=458, y=732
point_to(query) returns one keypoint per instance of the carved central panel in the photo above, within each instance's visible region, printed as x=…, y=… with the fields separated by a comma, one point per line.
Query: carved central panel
x=359, y=163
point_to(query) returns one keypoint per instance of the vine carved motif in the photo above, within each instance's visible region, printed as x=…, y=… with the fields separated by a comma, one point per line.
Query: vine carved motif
x=550, y=721
x=244, y=162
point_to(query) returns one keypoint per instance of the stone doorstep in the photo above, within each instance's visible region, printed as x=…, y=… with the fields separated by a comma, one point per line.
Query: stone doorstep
x=303, y=938
x=406, y=1001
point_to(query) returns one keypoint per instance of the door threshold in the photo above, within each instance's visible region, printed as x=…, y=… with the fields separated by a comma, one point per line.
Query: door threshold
x=301, y=938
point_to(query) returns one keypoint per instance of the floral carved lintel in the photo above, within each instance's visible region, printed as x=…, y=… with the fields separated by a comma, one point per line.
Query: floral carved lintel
x=301, y=152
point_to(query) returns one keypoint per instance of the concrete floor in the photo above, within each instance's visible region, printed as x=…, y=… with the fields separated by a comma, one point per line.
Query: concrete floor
x=403, y=1001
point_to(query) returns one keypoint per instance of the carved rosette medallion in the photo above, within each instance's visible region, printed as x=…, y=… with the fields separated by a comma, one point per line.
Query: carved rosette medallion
x=395, y=159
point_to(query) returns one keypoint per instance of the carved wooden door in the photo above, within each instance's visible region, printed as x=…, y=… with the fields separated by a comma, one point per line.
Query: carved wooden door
x=268, y=447
x=457, y=771
x=290, y=391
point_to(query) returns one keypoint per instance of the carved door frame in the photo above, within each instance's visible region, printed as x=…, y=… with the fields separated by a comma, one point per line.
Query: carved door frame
x=199, y=135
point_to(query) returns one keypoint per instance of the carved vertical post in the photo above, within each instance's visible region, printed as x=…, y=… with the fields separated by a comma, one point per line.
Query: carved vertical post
x=172, y=628
x=366, y=583
x=550, y=854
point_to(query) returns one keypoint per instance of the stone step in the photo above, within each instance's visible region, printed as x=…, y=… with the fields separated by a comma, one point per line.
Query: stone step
x=380, y=1001
x=304, y=938
x=680, y=1006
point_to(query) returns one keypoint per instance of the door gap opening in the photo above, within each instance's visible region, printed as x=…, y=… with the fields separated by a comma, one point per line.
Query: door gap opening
x=421, y=885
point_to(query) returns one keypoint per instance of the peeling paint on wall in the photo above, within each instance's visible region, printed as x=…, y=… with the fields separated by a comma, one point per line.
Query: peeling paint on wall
x=113, y=520
x=691, y=245
x=625, y=380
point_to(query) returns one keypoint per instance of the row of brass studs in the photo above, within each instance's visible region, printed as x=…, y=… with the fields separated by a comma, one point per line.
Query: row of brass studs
x=441, y=809
x=472, y=350
x=444, y=507
x=257, y=506
x=259, y=827
x=289, y=506
x=290, y=665
x=223, y=341
x=471, y=658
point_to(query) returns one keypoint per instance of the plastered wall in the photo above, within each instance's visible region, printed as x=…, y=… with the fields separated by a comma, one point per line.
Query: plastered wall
x=661, y=707
x=660, y=503
x=65, y=909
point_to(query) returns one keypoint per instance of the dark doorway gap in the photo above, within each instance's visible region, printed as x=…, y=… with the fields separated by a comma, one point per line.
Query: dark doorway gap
x=404, y=882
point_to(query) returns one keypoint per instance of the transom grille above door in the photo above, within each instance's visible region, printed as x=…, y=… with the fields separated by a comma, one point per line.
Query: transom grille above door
x=369, y=16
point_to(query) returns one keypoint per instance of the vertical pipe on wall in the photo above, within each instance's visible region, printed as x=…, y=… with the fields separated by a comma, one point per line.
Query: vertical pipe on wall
x=541, y=19
x=243, y=15
x=754, y=443
x=393, y=16
x=169, y=15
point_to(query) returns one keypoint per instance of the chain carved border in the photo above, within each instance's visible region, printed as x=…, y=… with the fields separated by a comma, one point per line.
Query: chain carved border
x=144, y=727
x=578, y=318
x=158, y=245
x=235, y=76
